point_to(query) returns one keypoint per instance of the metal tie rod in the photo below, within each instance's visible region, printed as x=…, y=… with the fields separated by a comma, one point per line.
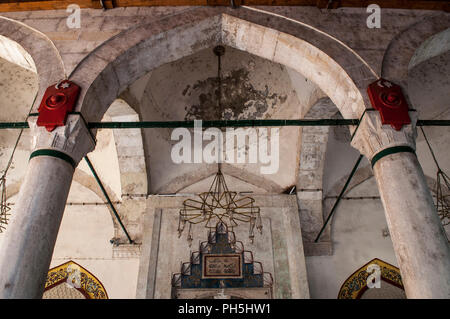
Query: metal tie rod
x=107, y=197
x=339, y=197
x=223, y=123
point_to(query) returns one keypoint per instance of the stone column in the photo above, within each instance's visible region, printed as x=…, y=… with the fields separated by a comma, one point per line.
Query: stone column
x=418, y=237
x=27, y=247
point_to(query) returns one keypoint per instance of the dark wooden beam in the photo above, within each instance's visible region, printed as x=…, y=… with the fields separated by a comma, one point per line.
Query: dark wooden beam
x=31, y=5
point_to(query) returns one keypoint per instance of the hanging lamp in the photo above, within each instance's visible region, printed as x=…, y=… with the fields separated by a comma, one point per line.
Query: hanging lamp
x=219, y=204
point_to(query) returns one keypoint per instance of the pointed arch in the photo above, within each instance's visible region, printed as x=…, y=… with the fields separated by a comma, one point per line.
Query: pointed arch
x=310, y=179
x=120, y=61
x=401, y=49
x=356, y=284
x=183, y=181
x=130, y=150
x=82, y=280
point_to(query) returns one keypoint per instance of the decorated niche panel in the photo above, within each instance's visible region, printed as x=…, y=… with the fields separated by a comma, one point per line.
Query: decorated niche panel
x=221, y=263
x=72, y=281
x=390, y=287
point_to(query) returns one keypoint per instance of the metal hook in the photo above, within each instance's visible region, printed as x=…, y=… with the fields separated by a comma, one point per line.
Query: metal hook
x=57, y=84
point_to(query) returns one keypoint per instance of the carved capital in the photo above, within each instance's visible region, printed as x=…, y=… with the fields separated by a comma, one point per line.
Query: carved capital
x=73, y=139
x=372, y=137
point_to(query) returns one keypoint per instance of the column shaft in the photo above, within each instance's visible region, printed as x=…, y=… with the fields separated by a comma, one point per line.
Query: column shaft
x=418, y=237
x=420, y=244
x=27, y=248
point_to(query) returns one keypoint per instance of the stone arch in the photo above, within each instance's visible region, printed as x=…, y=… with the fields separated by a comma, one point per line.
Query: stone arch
x=130, y=150
x=81, y=279
x=131, y=100
x=310, y=177
x=428, y=86
x=356, y=284
x=183, y=181
x=361, y=175
x=113, y=66
x=435, y=45
x=46, y=58
x=90, y=183
x=314, y=142
x=401, y=49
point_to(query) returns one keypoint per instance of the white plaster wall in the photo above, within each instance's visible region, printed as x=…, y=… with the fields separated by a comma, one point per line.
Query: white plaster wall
x=84, y=237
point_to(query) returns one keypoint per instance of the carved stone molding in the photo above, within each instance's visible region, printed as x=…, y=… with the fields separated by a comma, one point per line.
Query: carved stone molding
x=126, y=251
x=372, y=137
x=73, y=139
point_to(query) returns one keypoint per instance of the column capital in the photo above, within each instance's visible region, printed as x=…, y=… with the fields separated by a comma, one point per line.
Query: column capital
x=372, y=137
x=73, y=140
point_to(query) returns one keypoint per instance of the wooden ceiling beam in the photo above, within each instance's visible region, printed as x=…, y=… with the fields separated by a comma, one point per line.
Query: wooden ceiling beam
x=31, y=5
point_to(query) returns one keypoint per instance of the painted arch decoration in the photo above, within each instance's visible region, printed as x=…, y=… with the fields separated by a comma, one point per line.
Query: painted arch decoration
x=356, y=285
x=79, y=278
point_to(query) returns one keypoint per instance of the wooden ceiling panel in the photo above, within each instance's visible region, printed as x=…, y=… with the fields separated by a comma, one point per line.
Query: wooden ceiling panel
x=31, y=5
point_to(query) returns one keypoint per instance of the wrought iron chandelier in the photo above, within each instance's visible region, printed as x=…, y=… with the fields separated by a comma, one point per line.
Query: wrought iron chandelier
x=219, y=204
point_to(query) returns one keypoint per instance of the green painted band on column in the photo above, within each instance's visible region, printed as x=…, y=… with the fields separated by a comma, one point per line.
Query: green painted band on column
x=54, y=153
x=391, y=150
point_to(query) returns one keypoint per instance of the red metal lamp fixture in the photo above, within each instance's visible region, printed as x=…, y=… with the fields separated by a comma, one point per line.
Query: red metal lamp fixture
x=388, y=99
x=58, y=101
